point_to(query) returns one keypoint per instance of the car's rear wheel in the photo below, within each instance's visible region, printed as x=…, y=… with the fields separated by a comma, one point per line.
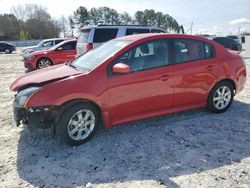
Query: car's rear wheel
x=77, y=124
x=44, y=62
x=221, y=97
x=7, y=51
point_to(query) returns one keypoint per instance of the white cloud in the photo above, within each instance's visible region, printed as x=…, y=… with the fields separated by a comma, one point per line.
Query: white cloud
x=240, y=21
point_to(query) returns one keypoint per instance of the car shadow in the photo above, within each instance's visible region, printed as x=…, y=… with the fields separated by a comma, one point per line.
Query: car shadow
x=154, y=149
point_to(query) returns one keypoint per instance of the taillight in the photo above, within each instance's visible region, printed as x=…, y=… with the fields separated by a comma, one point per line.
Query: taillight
x=89, y=46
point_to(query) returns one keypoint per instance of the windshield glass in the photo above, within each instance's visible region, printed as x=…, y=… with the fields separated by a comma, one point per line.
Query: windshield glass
x=40, y=43
x=98, y=55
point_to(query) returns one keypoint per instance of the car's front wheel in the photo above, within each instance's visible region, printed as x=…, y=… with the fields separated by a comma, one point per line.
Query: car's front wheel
x=44, y=62
x=221, y=97
x=77, y=124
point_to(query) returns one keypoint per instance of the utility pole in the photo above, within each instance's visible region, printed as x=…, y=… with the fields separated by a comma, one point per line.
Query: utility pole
x=191, y=30
x=239, y=31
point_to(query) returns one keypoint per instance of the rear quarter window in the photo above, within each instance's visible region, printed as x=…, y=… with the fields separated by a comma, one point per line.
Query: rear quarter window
x=209, y=50
x=103, y=35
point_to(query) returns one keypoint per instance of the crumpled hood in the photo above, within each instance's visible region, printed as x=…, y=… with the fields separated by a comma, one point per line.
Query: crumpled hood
x=44, y=75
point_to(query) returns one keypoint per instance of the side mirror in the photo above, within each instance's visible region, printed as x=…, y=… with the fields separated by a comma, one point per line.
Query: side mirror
x=60, y=49
x=121, y=68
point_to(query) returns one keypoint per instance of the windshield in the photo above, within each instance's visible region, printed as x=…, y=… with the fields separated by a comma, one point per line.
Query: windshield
x=98, y=55
x=40, y=43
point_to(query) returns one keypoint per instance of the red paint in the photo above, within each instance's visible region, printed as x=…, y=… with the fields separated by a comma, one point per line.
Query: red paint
x=143, y=94
x=56, y=56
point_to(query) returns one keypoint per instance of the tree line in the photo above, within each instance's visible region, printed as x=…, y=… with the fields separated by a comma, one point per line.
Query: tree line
x=106, y=15
x=32, y=21
x=28, y=22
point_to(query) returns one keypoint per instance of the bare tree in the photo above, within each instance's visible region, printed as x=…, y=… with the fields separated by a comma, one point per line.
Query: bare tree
x=71, y=25
x=64, y=25
x=19, y=12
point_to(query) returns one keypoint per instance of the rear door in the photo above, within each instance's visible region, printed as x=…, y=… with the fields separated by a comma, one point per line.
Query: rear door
x=195, y=71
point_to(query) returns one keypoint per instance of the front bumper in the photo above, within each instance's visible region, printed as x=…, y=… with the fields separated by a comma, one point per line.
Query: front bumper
x=39, y=117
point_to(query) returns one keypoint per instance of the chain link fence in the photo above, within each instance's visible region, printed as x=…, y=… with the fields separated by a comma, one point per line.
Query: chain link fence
x=25, y=43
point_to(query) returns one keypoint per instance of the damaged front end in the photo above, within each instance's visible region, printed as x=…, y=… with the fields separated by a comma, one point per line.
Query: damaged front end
x=40, y=117
x=35, y=117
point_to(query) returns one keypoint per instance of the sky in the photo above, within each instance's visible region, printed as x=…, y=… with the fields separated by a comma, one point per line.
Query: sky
x=208, y=16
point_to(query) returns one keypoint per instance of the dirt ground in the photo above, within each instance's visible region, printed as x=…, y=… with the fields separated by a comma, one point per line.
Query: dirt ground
x=189, y=149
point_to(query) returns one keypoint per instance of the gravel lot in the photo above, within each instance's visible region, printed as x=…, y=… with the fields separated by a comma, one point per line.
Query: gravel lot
x=190, y=149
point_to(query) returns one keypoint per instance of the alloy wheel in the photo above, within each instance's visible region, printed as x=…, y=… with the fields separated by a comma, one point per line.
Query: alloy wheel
x=81, y=124
x=222, y=97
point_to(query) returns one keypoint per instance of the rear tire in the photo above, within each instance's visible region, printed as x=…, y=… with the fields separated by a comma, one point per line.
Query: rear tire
x=43, y=63
x=7, y=51
x=77, y=124
x=221, y=97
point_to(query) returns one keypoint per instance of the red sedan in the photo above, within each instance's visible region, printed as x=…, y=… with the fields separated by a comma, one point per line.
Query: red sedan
x=60, y=53
x=128, y=79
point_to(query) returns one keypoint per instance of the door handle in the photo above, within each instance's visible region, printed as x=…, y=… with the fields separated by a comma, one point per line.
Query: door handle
x=209, y=68
x=164, y=77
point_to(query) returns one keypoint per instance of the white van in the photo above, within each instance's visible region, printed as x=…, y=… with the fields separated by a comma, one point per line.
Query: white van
x=92, y=36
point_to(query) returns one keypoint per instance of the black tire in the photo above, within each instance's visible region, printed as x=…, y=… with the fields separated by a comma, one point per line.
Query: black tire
x=235, y=49
x=43, y=62
x=7, y=51
x=63, y=125
x=214, y=97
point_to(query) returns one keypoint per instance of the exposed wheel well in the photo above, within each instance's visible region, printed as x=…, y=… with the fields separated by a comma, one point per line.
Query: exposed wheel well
x=230, y=81
x=224, y=80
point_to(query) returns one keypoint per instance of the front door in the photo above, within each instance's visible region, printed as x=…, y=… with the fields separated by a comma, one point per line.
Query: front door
x=149, y=86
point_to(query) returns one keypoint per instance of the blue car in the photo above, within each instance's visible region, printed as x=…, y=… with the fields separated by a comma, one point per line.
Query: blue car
x=7, y=47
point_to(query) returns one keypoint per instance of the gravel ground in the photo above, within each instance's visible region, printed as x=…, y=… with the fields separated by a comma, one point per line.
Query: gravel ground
x=189, y=149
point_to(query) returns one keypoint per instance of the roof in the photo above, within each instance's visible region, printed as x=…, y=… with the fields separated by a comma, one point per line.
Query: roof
x=55, y=39
x=115, y=26
x=159, y=35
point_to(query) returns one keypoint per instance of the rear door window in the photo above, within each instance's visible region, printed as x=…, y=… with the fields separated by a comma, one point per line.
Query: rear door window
x=58, y=41
x=69, y=46
x=188, y=50
x=83, y=36
x=136, y=31
x=103, y=35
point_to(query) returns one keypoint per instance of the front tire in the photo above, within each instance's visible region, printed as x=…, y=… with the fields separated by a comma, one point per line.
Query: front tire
x=77, y=124
x=221, y=97
x=44, y=62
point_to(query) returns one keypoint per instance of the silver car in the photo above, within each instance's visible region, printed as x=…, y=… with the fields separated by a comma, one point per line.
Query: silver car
x=44, y=44
x=93, y=36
